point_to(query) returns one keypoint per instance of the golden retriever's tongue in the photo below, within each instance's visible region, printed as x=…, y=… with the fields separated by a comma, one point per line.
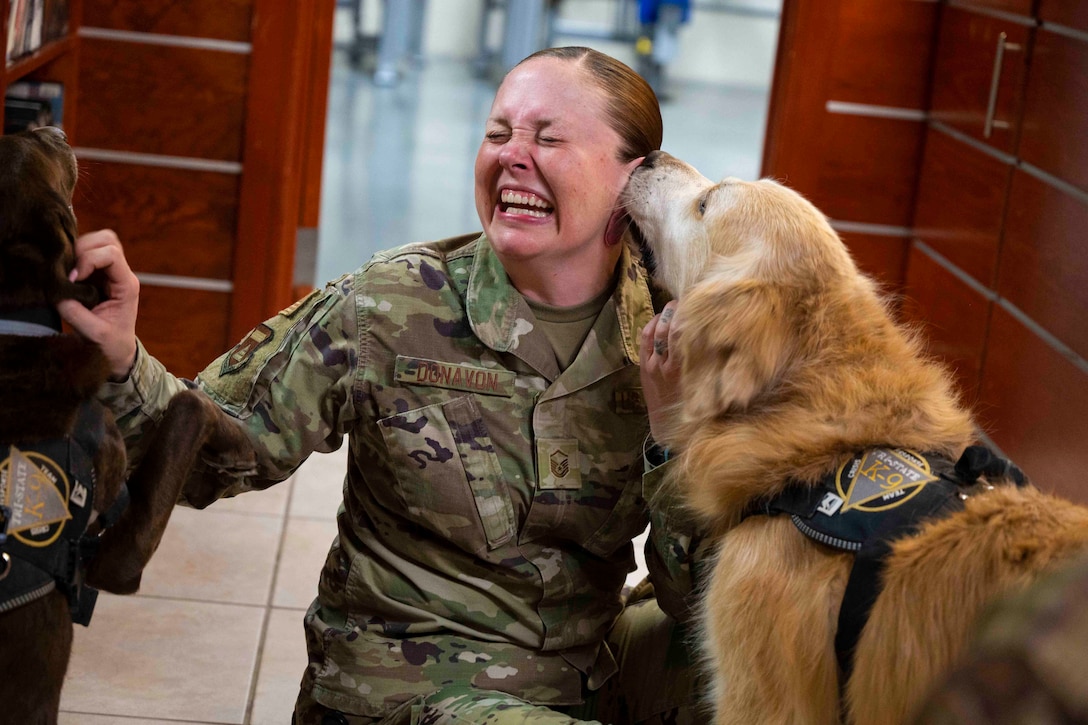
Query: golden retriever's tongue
x=617, y=223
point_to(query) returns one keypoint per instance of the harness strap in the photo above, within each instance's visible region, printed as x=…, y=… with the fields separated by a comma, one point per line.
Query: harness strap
x=874, y=499
x=47, y=490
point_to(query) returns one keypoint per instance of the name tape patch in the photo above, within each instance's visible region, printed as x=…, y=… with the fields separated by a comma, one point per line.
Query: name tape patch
x=436, y=374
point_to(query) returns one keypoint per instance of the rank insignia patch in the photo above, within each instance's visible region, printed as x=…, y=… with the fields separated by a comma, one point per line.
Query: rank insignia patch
x=882, y=479
x=35, y=490
x=558, y=464
x=243, y=351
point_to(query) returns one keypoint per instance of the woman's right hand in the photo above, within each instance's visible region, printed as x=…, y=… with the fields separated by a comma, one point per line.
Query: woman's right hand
x=111, y=323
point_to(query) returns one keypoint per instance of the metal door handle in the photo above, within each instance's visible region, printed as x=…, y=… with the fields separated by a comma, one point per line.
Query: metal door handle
x=995, y=82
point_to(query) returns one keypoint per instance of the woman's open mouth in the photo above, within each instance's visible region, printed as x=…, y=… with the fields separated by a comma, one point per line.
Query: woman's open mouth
x=524, y=203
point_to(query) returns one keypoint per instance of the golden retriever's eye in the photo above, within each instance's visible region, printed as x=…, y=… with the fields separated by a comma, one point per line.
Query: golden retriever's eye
x=702, y=205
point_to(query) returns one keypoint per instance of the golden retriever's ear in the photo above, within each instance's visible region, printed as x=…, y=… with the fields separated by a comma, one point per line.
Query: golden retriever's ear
x=736, y=342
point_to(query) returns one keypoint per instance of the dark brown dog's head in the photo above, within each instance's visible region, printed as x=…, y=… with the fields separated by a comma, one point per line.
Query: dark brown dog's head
x=37, y=226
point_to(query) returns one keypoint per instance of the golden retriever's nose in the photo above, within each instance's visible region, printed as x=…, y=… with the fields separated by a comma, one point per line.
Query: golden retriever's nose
x=651, y=159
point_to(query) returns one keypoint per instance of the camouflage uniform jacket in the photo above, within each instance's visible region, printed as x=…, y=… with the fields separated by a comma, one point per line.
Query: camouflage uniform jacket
x=490, y=500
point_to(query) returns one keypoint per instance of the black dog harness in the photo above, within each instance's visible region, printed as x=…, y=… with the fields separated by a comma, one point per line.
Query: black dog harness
x=47, y=495
x=873, y=499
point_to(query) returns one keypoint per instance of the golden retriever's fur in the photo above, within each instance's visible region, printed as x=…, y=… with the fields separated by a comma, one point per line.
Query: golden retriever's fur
x=791, y=364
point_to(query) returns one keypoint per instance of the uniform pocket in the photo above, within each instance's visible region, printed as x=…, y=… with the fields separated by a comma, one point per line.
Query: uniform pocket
x=628, y=519
x=448, y=475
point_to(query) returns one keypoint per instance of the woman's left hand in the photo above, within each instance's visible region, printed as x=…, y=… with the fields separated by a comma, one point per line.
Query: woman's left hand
x=660, y=368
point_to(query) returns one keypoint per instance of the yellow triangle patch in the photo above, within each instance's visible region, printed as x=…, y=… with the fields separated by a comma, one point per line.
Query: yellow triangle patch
x=31, y=488
x=885, y=479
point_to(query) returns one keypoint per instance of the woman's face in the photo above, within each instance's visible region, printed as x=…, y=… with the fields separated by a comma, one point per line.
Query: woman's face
x=548, y=175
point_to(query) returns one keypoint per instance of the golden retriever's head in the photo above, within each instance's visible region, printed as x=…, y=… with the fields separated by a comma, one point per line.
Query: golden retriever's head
x=37, y=226
x=747, y=261
x=742, y=230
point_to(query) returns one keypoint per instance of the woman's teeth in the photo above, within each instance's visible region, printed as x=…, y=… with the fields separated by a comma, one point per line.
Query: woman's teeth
x=525, y=204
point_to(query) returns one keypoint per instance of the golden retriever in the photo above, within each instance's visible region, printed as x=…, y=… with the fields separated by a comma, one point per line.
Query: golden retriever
x=791, y=366
x=65, y=530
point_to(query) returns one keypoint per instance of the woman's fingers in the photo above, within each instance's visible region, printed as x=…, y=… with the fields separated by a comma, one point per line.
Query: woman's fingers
x=112, y=322
x=660, y=370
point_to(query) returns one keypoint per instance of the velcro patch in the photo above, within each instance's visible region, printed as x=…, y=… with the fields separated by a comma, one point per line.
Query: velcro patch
x=35, y=490
x=628, y=401
x=436, y=374
x=260, y=335
x=882, y=479
x=557, y=463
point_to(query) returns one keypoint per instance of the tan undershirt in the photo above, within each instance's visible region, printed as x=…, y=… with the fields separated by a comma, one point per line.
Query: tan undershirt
x=567, y=327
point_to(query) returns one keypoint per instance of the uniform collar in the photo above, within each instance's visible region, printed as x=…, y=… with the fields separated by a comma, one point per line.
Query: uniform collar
x=501, y=319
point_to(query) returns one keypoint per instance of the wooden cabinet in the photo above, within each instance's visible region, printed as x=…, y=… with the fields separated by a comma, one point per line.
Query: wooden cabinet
x=845, y=125
x=960, y=204
x=1004, y=213
x=996, y=273
x=978, y=75
x=1055, y=123
x=199, y=129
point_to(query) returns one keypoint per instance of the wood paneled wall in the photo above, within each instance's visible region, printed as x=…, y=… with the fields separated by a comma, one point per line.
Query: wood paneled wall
x=845, y=126
x=992, y=260
x=193, y=139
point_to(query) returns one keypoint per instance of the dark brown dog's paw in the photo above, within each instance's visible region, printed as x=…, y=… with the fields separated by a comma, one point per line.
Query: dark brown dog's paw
x=105, y=575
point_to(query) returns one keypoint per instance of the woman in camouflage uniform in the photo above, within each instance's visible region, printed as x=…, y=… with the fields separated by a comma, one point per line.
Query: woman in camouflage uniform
x=489, y=386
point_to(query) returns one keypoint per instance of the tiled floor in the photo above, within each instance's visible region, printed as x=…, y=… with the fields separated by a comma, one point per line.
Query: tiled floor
x=215, y=633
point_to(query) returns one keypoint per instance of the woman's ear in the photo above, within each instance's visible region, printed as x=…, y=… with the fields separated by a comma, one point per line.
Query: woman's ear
x=736, y=343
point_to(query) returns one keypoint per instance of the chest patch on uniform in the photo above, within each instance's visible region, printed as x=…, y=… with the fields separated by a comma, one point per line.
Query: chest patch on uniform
x=436, y=374
x=557, y=463
x=35, y=490
x=259, y=336
x=628, y=401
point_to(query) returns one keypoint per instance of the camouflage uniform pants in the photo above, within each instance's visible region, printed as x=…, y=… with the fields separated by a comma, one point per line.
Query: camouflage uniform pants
x=655, y=685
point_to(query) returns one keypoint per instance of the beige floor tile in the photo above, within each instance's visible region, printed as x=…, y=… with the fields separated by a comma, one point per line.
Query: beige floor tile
x=82, y=718
x=215, y=557
x=164, y=659
x=269, y=502
x=305, y=547
x=283, y=660
x=319, y=485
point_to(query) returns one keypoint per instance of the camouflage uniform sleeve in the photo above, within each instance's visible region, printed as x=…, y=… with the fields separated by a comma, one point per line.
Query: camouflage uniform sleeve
x=290, y=382
x=675, y=549
x=1027, y=660
x=139, y=402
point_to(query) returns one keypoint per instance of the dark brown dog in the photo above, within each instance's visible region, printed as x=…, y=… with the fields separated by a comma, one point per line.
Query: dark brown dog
x=66, y=529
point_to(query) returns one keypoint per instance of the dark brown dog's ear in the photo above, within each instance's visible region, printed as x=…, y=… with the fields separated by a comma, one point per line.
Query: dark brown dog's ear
x=735, y=343
x=36, y=252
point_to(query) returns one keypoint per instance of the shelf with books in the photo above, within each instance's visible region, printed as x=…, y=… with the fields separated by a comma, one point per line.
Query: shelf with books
x=27, y=64
x=41, y=67
x=34, y=24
